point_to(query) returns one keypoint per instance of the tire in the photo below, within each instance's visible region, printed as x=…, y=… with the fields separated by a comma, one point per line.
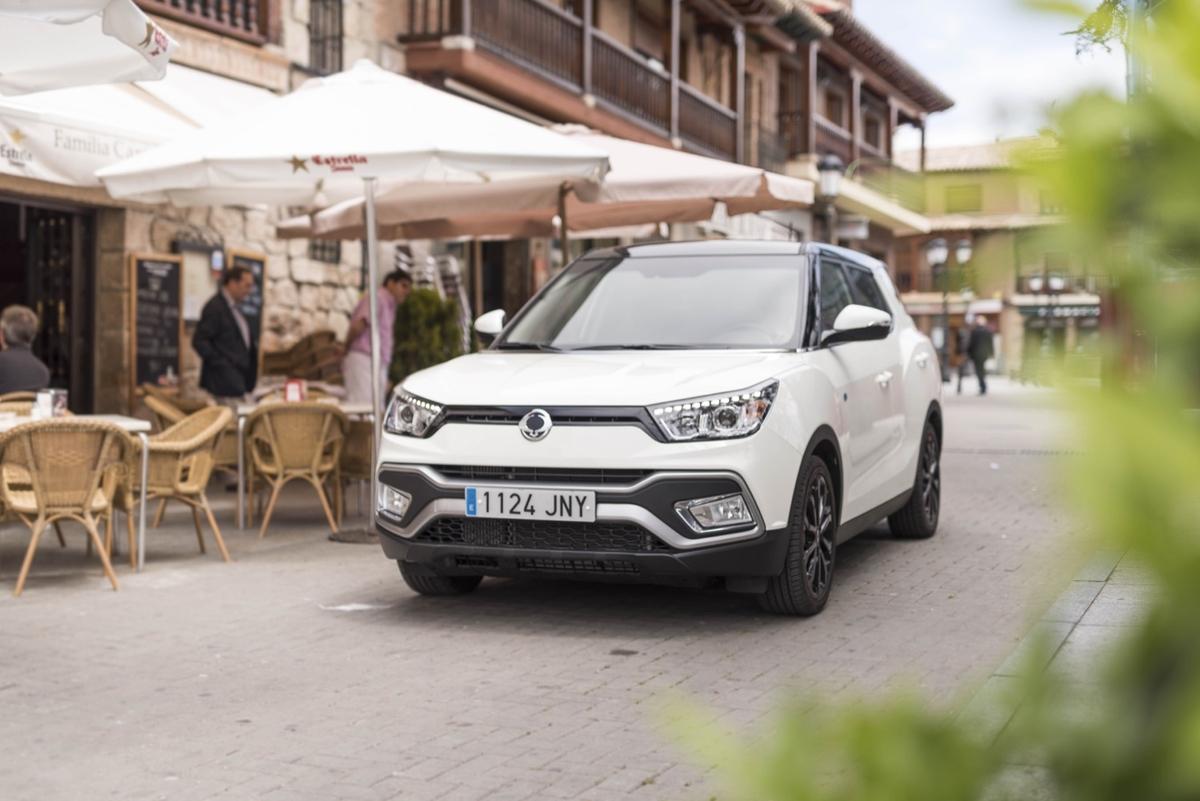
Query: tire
x=433, y=584
x=918, y=519
x=803, y=586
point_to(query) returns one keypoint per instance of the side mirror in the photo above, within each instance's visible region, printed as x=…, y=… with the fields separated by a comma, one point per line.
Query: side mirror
x=489, y=325
x=858, y=324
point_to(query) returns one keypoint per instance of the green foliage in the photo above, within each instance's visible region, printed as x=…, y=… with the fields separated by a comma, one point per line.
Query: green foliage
x=1128, y=175
x=427, y=333
x=1103, y=26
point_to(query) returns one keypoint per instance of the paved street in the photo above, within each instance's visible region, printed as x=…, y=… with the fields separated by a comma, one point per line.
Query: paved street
x=308, y=670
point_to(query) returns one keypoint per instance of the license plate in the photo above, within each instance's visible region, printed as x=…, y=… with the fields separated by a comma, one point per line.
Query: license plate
x=507, y=503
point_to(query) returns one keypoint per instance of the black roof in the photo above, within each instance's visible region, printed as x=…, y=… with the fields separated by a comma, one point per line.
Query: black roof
x=704, y=247
x=728, y=247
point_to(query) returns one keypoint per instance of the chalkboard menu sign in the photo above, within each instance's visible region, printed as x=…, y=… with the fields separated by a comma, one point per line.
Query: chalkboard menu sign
x=256, y=263
x=157, y=321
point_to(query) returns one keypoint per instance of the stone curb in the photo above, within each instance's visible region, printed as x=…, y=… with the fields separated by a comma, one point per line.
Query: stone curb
x=991, y=707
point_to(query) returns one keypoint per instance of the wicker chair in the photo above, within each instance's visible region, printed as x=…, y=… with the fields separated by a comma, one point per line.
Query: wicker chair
x=181, y=463
x=52, y=470
x=290, y=441
x=9, y=397
x=167, y=413
x=184, y=404
x=17, y=406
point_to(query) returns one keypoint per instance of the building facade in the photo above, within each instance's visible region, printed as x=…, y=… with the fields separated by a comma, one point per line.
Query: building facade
x=775, y=83
x=1043, y=302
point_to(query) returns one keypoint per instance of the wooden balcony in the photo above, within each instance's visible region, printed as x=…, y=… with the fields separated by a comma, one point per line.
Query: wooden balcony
x=890, y=180
x=559, y=47
x=626, y=80
x=832, y=139
x=766, y=148
x=241, y=19
x=706, y=124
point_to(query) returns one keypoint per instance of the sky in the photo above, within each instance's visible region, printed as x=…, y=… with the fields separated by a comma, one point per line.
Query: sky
x=1003, y=64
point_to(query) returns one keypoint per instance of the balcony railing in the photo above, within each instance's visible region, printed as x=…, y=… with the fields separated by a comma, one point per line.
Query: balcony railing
x=832, y=139
x=1058, y=284
x=891, y=181
x=770, y=149
x=241, y=19
x=626, y=80
x=556, y=45
x=542, y=36
x=706, y=123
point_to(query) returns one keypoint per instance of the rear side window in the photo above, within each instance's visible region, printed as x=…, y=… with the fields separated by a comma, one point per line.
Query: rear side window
x=865, y=290
x=835, y=293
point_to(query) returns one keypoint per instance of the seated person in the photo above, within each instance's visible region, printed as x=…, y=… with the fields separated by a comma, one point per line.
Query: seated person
x=20, y=370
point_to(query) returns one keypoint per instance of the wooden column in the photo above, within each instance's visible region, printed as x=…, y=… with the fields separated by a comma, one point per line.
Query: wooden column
x=809, y=122
x=739, y=89
x=586, y=47
x=922, y=143
x=893, y=122
x=855, y=114
x=675, y=42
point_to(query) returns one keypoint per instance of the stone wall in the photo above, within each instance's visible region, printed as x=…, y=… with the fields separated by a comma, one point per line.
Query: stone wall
x=301, y=295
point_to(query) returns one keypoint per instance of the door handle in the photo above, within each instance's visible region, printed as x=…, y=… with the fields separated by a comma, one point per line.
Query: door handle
x=922, y=359
x=883, y=379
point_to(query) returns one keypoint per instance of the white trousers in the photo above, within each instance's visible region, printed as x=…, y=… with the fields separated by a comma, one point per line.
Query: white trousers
x=356, y=373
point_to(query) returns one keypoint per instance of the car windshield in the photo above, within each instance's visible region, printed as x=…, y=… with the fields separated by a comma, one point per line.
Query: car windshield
x=751, y=302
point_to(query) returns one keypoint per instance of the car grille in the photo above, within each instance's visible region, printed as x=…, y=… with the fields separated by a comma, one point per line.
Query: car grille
x=549, y=475
x=541, y=535
x=578, y=565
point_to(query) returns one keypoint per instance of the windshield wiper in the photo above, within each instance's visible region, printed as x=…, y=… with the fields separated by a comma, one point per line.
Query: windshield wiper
x=528, y=346
x=633, y=347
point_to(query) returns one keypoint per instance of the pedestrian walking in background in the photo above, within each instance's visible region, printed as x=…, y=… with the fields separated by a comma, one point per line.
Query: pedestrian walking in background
x=20, y=369
x=980, y=349
x=356, y=362
x=225, y=342
x=962, y=339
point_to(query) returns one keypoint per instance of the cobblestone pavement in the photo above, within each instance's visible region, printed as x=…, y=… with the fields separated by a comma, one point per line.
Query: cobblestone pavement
x=308, y=670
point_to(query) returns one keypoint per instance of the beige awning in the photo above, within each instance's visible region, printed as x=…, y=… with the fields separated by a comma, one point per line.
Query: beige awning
x=646, y=184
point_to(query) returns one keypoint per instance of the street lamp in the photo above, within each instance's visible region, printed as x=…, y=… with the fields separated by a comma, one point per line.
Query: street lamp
x=962, y=251
x=829, y=185
x=937, y=254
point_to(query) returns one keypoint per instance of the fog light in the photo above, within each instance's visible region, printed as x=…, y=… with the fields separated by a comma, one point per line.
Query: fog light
x=392, y=502
x=722, y=511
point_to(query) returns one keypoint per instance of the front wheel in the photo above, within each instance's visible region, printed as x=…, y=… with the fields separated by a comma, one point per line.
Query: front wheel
x=432, y=584
x=802, y=588
x=918, y=519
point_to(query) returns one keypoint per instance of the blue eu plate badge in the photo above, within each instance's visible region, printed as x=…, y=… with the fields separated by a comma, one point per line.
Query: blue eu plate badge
x=472, y=504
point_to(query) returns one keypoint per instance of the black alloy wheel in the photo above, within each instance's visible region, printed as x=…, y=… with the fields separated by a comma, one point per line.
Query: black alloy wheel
x=929, y=479
x=803, y=586
x=818, y=536
x=918, y=519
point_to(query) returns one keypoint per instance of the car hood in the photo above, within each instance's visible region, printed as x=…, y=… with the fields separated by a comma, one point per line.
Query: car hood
x=616, y=378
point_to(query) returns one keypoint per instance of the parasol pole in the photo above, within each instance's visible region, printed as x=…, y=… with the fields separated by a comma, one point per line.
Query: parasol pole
x=563, y=236
x=377, y=410
x=368, y=533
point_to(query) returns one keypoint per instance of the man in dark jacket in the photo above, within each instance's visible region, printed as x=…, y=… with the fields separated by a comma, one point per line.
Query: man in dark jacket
x=979, y=348
x=225, y=341
x=20, y=370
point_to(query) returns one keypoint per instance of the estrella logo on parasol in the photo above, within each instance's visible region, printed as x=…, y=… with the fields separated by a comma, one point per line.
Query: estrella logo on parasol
x=340, y=163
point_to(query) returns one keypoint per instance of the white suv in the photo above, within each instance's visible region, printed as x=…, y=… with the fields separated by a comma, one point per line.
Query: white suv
x=693, y=413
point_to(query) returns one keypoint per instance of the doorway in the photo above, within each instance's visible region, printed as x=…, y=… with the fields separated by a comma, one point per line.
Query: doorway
x=46, y=264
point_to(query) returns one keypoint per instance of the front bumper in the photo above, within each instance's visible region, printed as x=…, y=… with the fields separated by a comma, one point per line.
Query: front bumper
x=761, y=556
x=637, y=531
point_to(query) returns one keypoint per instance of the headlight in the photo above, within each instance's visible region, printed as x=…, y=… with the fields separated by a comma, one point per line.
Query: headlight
x=411, y=416
x=725, y=416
